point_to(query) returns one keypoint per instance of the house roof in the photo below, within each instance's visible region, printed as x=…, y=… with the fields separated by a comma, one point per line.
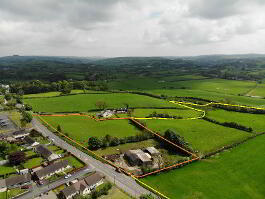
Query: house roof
x=51, y=168
x=69, y=191
x=80, y=185
x=2, y=183
x=93, y=179
x=29, y=140
x=138, y=154
x=18, y=180
x=41, y=149
x=152, y=150
x=20, y=133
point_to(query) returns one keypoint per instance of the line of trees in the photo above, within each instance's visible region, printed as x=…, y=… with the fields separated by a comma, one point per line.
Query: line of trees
x=240, y=109
x=230, y=125
x=95, y=143
x=164, y=115
x=64, y=86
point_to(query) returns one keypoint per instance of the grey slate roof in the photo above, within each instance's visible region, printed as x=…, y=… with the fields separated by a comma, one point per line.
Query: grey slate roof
x=29, y=140
x=41, y=149
x=20, y=133
x=69, y=191
x=93, y=179
x=18, y=180
x=51, y=168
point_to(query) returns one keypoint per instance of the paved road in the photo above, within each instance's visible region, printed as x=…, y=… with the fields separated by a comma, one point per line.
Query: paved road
x=124, y=182
x=37, y=190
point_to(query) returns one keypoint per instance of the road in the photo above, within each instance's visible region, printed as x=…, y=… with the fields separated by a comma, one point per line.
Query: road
x=37, y=190
x=124, y=182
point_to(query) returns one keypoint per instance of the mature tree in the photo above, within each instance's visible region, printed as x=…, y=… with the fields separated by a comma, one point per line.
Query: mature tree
x=59, y=128
x=28, y=107
x=35, y=133
x=8, y=96
x=101, y=104
x=114, y=141
x=94, y=143
x=26, y=117
x=17, y=158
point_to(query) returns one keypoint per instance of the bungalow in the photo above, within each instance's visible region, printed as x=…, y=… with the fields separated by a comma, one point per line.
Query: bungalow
x=20, y=134
x=16, y=181
x=83, y=187
x=138, y=157
x=30, y=142
x=46, y=153
x=51, y=170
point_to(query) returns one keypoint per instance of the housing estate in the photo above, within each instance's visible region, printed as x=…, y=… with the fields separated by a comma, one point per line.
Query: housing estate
x=51, y=170
x=16, y=181
x=83, y=187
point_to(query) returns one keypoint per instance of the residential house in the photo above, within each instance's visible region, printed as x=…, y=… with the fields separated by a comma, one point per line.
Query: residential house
x=30, y=142
x=15, y=181
x=46, y=153
x=51, y=170
x=20, y=134
x=138, y=157
x=83, y=186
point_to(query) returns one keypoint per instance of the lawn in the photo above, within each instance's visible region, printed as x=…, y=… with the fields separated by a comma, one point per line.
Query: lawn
x=238, y=173
x=53, y=148
x=16, y=117
x=81, y=128
x=255, y=121
x=33, y=162
x=30, y=153
x=202, y=135
x=115, y=193
x=85, y=102
x=74, y=162
x=3, y=195
x=6, y=169
x=14, y=192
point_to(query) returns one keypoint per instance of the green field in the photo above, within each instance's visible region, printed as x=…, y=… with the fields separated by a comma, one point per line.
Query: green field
x=238, y=173
x=182, y=112
x=259, y=91
x=82, y=128
x=85, y=102
x=255, y=121
x=211, y=85
x=53, y=94
x=202, y=135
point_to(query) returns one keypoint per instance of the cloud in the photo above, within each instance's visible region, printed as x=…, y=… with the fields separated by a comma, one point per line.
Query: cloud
x=128, y=27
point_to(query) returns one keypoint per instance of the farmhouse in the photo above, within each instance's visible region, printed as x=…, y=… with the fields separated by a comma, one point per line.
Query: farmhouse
x=46, y=153
x=51, y=169
x=138, y=157
x=30, y=142
x=20, y=134
x=16, y=181
x=83, y=187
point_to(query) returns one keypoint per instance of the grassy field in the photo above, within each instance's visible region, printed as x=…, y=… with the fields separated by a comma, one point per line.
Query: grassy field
x=255, y=121
x=16, y=117
x=238, y=173
x=53, y=94
x=202, y=135
x=258, y=91
x=182, y=112
x=5, y=169
x=33, y=162
x=214, y=85
x=210, y=95
x=85, y=102
x=82, y=128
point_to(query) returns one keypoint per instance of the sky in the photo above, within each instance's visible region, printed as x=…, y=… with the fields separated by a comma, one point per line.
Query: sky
x=112, y=28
